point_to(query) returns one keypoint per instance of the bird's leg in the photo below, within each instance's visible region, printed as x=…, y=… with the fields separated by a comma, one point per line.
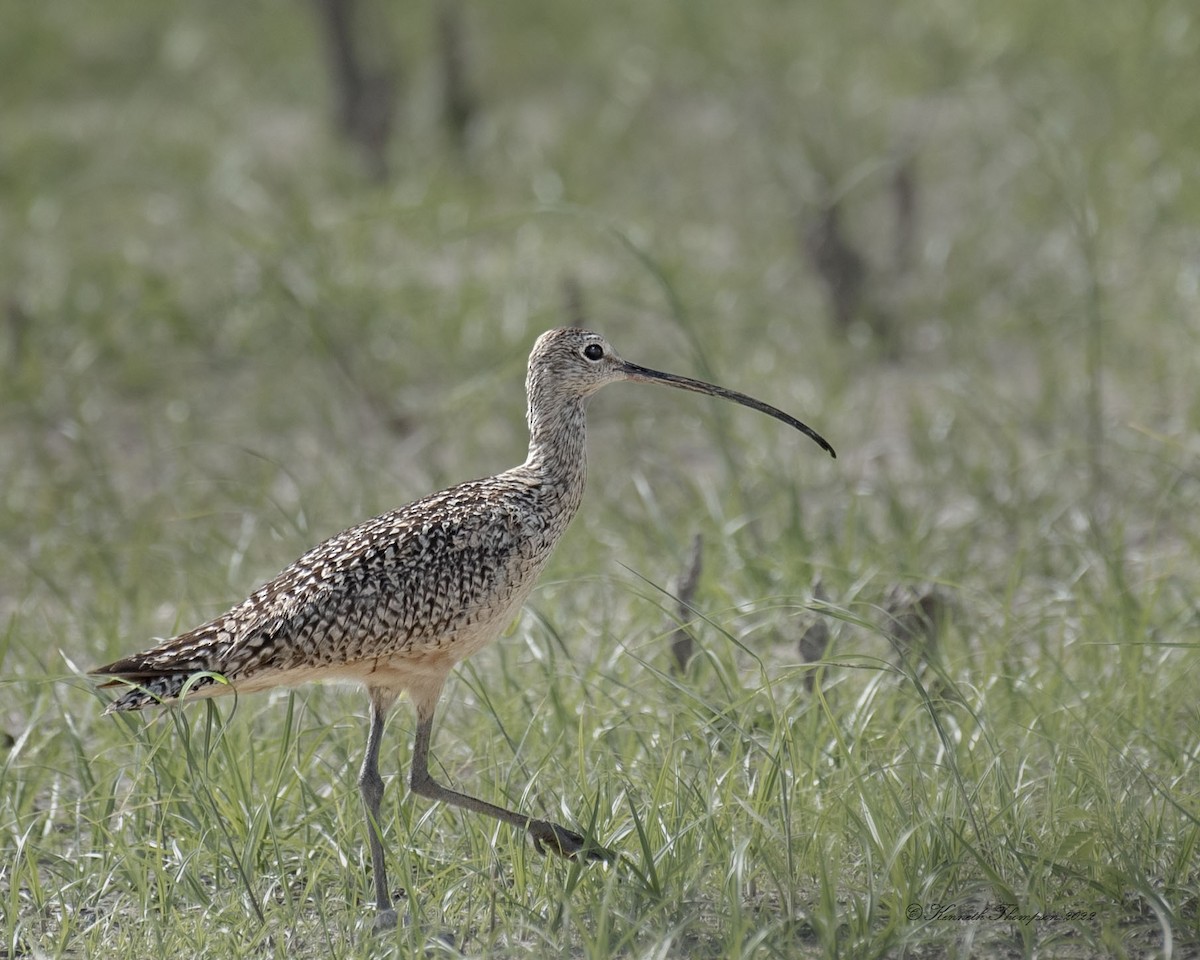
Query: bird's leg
x=546, y=835
x=370, y=783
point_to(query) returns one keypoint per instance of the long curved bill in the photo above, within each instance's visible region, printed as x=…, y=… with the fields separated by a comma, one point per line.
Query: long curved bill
x=644, y=374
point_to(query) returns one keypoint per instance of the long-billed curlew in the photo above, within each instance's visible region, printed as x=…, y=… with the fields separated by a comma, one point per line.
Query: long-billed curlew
x=395, y=602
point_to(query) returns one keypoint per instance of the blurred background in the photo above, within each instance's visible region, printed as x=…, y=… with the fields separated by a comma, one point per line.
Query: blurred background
x=267, y=269
x=305, y=248
x=300, y=251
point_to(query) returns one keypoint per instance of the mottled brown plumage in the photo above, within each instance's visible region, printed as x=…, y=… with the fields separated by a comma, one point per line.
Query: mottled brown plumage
x=396, y=602
x=421, y=584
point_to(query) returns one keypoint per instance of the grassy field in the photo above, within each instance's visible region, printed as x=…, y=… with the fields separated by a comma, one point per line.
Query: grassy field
x=221, y=341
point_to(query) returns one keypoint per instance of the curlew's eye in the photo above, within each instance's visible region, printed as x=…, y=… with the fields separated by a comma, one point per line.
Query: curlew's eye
x=593, y=351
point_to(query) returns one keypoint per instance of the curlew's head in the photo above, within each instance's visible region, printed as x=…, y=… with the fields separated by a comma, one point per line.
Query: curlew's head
x=571, y=364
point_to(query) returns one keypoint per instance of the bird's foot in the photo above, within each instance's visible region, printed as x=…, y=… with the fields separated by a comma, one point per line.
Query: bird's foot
x=551, y=837
x=384, y=920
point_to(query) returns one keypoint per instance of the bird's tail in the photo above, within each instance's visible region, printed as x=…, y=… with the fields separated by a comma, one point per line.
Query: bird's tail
x=154, y=691
x=179, y=668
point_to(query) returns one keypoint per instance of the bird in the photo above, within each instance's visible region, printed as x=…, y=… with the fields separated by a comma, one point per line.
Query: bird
x=396, y=602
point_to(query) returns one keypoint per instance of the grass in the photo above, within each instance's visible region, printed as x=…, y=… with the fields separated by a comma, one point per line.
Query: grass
x=220, y=344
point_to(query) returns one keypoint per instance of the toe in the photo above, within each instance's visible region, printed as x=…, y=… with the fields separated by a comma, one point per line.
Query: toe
x=565, y=843
x=384, y=920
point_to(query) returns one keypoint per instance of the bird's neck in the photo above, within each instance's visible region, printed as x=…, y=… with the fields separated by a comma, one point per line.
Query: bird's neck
x=557, y=449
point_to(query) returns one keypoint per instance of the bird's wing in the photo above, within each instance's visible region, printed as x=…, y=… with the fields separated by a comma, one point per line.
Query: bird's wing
x=406, y=578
